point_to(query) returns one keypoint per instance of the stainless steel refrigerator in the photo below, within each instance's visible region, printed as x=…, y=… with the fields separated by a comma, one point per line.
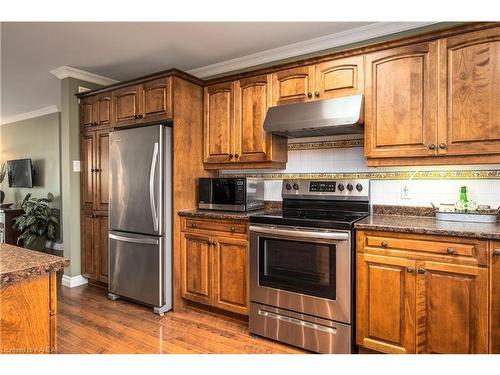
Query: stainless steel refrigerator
x=140, y=217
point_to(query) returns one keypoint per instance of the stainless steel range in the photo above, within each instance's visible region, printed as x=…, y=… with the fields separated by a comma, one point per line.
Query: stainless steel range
x=302, y=265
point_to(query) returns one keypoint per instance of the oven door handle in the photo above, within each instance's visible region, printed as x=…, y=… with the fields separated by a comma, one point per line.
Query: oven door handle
x=336, y=236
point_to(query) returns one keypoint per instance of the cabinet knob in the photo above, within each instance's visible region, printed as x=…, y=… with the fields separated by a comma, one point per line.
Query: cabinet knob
x=214, y=243
x=442, y=146
x=316, y=93
x=496, y=252
x=309, y=94
x=409, y=269
x=233, y=229
x=432, y=146
x=140, y=116
x=193, y=225
x=136, y=117
x=231, y=156
x=421, y=270
x=451, y=251
x=384, y=244
x=95, y=124
x=236, y=156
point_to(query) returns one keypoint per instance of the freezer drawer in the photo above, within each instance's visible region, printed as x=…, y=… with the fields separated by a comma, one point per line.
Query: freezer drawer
x=135, y=269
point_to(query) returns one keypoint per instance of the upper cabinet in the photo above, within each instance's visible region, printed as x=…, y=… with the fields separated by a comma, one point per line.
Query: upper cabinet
x=127, y=105
x=469, y=84
x=341, y=77
x=95, y=111
x=234, y=126
x=293, y=85
x=157, y=99
x=401, y=102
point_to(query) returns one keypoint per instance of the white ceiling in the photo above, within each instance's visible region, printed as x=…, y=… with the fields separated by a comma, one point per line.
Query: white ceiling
x=121, y=50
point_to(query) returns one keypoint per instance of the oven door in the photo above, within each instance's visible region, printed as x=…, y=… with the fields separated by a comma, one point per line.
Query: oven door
x=302, y=270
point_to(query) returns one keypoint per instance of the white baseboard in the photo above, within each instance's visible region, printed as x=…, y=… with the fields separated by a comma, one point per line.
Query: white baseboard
x=74, y=281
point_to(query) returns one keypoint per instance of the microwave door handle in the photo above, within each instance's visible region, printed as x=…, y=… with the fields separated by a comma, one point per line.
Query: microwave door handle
x=151, y=186
x=336, y=236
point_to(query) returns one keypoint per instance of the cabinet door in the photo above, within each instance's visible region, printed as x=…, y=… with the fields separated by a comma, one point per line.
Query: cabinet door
x=469, y=86
x=88, y=248
x=103, y=110
x=101, y=251
x=252, y=99
x=102, y=170
x=231, y=274
x=157, y=99
x=87, y=112
x=127, y=105
x=452, y=308
x=293, y=85
x=219, y=123
x=386, y=303
x=339, y=78
x=196, y=269
x=495, y=297
x=87, y=150
x=401, y=102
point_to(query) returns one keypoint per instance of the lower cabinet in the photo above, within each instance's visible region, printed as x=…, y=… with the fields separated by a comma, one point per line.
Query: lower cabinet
x=95, y=246
x=421, y=301
x=214, y=264
x=495, y=297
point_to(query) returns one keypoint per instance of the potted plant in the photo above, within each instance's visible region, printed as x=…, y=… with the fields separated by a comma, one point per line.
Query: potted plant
x=38, y=223
x=3, y=172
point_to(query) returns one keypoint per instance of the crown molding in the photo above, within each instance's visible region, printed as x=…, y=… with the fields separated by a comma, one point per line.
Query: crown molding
x=339, y=39
x=32, y=114
x=70, y=72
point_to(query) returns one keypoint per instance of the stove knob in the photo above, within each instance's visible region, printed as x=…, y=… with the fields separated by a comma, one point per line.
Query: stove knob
x=341, y=187
x=296, y=186
x=359, y=187
x=288, y=186
x=349, y=187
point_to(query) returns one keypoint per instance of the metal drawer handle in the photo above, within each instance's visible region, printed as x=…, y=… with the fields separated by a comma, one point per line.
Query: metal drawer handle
x=301, y=234
x=409, y=269
x=496, y=252
x=298, y=322
x=232, y=229
x=451, y=251
x=384, y=243
x=421, y=270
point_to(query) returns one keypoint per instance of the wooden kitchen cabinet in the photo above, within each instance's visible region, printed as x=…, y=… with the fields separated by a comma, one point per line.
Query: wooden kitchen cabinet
x=294, y=85
x=95, y=246
x=494, y=297
x=234, y=126
x=157, y=100
x=401, y=102
x=386, y=303
x=340, y=77
x=214, y=264
x=103, y=110
x=88, y=152
x=469, y=86
x=87, y=112
x=127, y=103
x=421, y=294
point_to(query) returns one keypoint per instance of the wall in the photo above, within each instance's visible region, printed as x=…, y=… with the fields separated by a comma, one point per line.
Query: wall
x=38, y=139
x=437, y=184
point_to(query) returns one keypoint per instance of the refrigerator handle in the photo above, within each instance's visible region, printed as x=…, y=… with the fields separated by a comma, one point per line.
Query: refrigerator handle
x=147, y=241
x=151, y=186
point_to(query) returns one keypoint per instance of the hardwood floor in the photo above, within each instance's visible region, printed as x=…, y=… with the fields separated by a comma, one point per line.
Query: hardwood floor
x=90, y=323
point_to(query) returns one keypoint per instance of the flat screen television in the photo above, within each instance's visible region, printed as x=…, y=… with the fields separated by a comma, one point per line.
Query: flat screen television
x=20, y=173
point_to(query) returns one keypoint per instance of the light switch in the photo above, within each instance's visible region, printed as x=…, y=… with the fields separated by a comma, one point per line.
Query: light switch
x=77, y=166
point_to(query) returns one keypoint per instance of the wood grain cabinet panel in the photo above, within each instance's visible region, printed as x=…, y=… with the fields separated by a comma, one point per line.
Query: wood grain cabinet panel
x=87, y=151
x=386, y=303
x=196, y=264
x=219, y=123
x=231, y=274
x=470, y=93
x=103, y=249
x=157, y=99
x=102, y=170
x=401, y=102
x=253, y=98
x=293, y=85
x=87, y=112
x=127, y=105
x=494, y=297
x=452, y=309
x=89, y=255
x=341, y=77
x=103, y=110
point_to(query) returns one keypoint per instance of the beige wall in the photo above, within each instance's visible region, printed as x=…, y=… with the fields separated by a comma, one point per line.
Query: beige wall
x=38, y=139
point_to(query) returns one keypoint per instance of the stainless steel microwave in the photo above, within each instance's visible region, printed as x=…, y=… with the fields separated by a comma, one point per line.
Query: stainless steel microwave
x=231, y=193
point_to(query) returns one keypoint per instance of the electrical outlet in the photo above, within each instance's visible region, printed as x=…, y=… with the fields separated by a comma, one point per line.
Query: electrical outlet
x=405, y=191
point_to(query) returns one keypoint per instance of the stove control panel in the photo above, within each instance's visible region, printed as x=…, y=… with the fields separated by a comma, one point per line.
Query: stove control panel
x=326, y=189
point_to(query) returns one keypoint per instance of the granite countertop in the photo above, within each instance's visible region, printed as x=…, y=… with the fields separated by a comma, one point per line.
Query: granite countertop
x=224, y=215
x=17, y=263
x=429, y=225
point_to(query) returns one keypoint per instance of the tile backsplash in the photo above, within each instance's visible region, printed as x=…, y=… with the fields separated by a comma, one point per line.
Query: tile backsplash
x=383, y=191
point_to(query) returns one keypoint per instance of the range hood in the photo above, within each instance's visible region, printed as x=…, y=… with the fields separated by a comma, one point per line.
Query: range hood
x=343, y=115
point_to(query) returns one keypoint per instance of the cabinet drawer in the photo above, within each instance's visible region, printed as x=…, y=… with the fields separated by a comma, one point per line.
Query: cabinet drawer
x=458, y=249
x=220, y=226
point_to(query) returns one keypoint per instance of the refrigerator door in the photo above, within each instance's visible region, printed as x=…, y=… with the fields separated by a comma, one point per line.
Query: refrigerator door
x=136, y=177
x=136, y=267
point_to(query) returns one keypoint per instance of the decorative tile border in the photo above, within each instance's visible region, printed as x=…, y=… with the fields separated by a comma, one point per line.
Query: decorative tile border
x=340, y=143
x=393, y=175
